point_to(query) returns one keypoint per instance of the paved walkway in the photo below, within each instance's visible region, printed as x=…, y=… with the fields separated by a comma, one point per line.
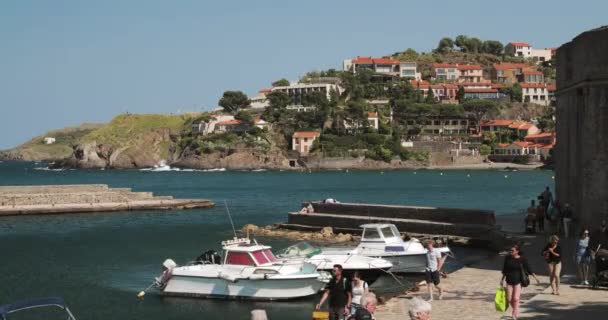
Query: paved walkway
x=470, y=292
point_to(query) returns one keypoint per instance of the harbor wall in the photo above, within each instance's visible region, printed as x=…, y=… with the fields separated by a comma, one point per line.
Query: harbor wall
x=582, y=125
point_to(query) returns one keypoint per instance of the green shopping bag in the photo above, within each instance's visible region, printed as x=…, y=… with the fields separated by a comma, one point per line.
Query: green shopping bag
x=500, y=300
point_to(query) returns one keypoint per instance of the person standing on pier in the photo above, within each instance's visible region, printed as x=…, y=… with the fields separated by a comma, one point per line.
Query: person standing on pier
x=514, y=271
x=546, y=199
x=540, y=217
x=434, y=262
x=339, y=293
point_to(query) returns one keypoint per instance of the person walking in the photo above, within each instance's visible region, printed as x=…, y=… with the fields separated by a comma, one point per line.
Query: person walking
x=599, y=240
x=434, y=262
x=553, y=256
x=368, y=307
x=566, y=218
x=513, y=272
x=546, y=199
x=359, y=288
x=540, y=217
x=582, y=256
x=339, y=293
x=530, y=220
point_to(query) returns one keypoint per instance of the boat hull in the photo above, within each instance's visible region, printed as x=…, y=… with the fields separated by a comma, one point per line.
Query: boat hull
x=258, y=289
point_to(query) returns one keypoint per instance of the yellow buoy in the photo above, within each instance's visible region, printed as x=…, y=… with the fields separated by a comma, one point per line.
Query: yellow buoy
x=141, y=295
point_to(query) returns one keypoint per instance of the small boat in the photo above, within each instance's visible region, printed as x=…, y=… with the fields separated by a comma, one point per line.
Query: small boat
x=5, y=310
x=247, y=271
x=370, y=268
x=384, y=241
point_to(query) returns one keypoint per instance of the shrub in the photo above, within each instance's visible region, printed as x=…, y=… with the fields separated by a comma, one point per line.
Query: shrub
x=485, y=150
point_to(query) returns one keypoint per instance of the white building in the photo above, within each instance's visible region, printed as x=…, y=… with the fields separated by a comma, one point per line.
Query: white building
x=49, y=140
x=542, y=55
x=409, y=70
x=387, y=66
x=298, y=90
x=519, y=49
x=535, y=93
x=205, y=128
x=260, y=101
x=302, y=141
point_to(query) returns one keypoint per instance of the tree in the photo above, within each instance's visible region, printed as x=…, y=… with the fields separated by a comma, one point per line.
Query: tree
x=485, y=149
x=232, y=101
x=460, y=94
x=281, y=83
x=473, y=45
x=492, y=47
x=479, y=109
x=430, y=97
x=278, y=100
x=445, y=45
x=244, y=116
x=461, y=41
x=356, y=113
x=516, y=92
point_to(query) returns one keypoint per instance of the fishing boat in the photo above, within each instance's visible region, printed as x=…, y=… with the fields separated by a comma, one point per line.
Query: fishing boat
x=370, y=268
x=57, y=302
x=246, y=271
x=384, y=241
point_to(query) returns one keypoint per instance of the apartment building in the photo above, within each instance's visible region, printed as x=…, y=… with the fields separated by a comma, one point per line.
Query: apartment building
x=535, y=93
x=385, y=66
x=508, y=72
x=298, y=90
x=446, y=72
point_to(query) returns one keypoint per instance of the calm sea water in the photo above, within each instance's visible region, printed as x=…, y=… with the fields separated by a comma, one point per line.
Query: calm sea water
x=98, y=262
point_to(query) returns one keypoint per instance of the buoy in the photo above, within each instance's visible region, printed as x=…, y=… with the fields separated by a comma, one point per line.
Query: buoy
x=381, y=172
x=506, y=176
x=553, y=177
x=414, y=172
x=141, y=295
x=441, y=174
x=468, y=175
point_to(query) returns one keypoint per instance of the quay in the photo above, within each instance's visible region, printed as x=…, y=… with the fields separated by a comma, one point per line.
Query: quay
x=62, y=199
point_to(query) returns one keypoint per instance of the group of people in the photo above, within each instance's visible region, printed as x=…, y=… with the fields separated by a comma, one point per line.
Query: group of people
x=550, y=210
x=348, y=298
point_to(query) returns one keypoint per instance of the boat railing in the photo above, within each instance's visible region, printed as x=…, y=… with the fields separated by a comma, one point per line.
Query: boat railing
x=35, y=303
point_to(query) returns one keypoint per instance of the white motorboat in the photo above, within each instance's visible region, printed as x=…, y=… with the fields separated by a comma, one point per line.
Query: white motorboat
x=384, y=241
x=370, y=268
x=248, y=270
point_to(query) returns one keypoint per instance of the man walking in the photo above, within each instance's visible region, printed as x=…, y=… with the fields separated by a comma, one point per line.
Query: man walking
x=434, y=262
x=546, y=199
x=339, y=293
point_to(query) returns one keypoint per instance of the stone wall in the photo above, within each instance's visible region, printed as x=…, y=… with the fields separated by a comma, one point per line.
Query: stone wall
x=582, y=125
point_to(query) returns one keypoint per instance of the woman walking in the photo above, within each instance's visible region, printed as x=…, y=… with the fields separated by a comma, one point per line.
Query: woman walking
x=513, y=272
x=583, y=257
x=553, y=256
x=359, y=288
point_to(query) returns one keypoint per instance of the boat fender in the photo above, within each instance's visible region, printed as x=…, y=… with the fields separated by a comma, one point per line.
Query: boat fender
x=228, y=277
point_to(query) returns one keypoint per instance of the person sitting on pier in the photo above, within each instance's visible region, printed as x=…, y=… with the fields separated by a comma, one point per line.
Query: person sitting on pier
x=330, y=200
x=308, y=208
x=368, y=307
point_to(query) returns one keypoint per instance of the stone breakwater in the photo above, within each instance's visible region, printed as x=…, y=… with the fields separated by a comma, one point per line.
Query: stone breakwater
x=56, y=199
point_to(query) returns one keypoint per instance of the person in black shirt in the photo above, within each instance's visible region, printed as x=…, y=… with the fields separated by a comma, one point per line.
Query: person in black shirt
x=512, y=273
x=553, y=256
x=599, y=241
x=339, y=293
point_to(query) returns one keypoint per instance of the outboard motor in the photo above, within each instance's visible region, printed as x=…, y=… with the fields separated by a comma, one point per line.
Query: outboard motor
x=209, y=257
x=161, y=281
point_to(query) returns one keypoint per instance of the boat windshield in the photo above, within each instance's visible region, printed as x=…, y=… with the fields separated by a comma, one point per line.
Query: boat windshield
x=300, y=249
x=371, y=234
x=269, y=255
x=260, y=257
x=387, y=232
x=240, y=258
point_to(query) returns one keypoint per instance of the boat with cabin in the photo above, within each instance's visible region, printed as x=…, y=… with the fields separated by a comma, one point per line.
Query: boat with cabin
x=246, y=271
x=383, y=240
x=370, y=268
x=24, y=305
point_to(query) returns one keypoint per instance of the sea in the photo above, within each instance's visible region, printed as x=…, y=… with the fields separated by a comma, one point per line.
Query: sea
x=99, y=262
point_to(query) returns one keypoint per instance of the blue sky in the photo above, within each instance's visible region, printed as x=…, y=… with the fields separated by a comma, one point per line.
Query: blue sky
x=67, y=62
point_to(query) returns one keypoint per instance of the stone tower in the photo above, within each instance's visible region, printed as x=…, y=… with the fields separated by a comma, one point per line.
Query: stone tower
x=582, y=125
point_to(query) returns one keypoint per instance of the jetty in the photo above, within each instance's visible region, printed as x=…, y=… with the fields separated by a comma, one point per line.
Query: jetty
x=473, y=224
x=61, y=199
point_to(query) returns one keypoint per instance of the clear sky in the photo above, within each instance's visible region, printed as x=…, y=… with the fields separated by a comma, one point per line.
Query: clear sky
x=67, y=62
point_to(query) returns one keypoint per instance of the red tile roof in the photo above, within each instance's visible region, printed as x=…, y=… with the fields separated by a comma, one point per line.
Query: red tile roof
x=475, y=84
x=450, y=86
x=521, y=125
x=532, y=72
x=522, y=144
x=229, y=122
x=551, y=87
x=469, y=67
x=537, y=136
x=420, y=84
x=520, y=44
x=306, y=134
x=372, y=115
x=370, y=60
x=497, y=85
x=265, y=90
x=497, y=123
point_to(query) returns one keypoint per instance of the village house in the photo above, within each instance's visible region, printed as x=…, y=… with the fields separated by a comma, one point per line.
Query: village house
x=409, y=70
x=518, y=148
x=260, y=101
x=372, y=121
x=470, y=73
x=385, y=66
x=444, y=93
x=298, y=90
x=445, y=72
x=508, y=72
x=447, y=126
x=532, y=76
x=545, y=138
x=535, y=93
x=481, y=93
x=48, y=140
x=302, y=141
x=522, y=128
x=519, y=49
x=231, y=126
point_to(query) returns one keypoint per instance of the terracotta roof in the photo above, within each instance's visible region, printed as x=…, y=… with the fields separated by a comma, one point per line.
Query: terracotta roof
x=497, y=123
x=520, y=44
x=551, y=87
x=450, y=86
x=469, y=67
x=229, y=122
x=265, y=90
x=521, y=125
x=420, y=84
x=480, y=90
x=540, y=136
x=306, y=134
x=503, y=145
x=522, y=144
x=497, y=85
x=533, y=85
x=444, y=65
x=437, y=86
x=532, y=72
x=372, y=115
x=475, y=84
x=509, y=65
x=370, y=60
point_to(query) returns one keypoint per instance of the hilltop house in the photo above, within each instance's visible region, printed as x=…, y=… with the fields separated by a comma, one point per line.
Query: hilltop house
x=470, y=73
x=535, y=93
x=507, y=72
x=302, y=141
x=522, y=128
x=297, y=91
x=384, y=66
x=445, y=72
x=260, y=101
x=525, y=50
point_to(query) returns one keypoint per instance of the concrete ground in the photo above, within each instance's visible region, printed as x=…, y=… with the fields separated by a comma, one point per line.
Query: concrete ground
x=470, y=290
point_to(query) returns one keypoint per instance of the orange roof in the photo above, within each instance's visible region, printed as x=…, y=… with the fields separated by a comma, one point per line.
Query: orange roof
x=444, y=65
x=540, y=136
x=497, y=85
x=522, y=144
x=475, y=84
x=551, y=87
x=509, y=65
x=480, y=90
x=306, y=134
x=372, y=115
x=469, y=67
x=229, y=122
x=450, y=86
x=503, y=145
x=532, y=72
x=521, y=125
x=419, y=84
x=370, y=60
x=265, y=90
x=533, y=85
x=497, y=123
x=520, y=44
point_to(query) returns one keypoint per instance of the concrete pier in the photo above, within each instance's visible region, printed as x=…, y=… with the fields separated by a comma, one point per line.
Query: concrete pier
x=59, y=199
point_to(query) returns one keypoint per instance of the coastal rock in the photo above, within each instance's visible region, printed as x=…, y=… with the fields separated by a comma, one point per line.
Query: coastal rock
x=327, y=232
x=250, y=228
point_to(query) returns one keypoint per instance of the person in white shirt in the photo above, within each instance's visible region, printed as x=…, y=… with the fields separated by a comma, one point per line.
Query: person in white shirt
x=359, y=288
x=434, y=262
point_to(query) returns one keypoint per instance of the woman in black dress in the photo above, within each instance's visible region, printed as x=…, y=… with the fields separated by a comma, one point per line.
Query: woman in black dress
x=553, y=256
x=512, y=273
